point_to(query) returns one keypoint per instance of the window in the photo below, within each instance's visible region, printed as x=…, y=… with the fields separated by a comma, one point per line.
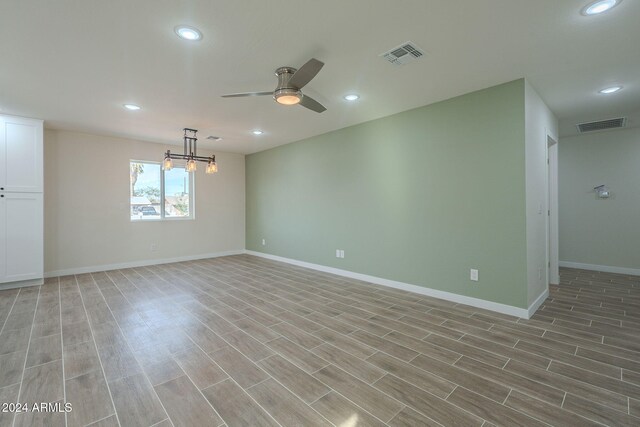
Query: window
x=158, y=194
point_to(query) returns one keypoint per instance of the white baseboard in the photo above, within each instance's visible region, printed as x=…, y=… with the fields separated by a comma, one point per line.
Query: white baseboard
x=603, y=268
x=141, y=263
x=462, y=299
x=538, y=302
x=21, y=284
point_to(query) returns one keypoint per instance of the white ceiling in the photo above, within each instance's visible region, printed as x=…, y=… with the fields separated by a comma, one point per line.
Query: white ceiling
x=74, y=63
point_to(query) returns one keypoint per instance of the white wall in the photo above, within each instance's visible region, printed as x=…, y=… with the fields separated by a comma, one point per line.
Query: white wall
x=539, y=122
x=87, y=222
x=601, y=234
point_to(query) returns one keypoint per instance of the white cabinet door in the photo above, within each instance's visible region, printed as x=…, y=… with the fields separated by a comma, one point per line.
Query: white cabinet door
x=22, y=217
x=3, y=236
x=21, y=148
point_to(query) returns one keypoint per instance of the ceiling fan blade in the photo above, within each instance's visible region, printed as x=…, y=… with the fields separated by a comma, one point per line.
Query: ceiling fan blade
x=312, y=104
x=239, y=95
x=306, y=73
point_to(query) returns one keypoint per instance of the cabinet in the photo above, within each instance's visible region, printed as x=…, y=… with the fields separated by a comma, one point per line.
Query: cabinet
x=21, y=201
x=22, y=215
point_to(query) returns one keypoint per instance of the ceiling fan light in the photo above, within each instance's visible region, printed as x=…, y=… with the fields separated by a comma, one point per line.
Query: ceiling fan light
x=288, y=100
x=287, y=96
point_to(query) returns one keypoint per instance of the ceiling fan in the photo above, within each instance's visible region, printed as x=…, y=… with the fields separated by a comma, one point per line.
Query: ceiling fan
x=290, y=81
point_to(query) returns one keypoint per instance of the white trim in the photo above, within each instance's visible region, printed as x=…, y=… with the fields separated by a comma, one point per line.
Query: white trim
x=603, y=268
x=461, y=299
x=21, y=284
x=538, y=302
x=552, y=219
x=141, y=263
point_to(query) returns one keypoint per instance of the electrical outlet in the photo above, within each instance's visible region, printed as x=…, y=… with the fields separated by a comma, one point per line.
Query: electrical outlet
x=154, y=247
x=264, y=242
x=341, y=253
x=474, y=275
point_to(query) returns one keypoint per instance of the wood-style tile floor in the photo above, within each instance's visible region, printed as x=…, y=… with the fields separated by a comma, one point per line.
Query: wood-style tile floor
x=242, y=341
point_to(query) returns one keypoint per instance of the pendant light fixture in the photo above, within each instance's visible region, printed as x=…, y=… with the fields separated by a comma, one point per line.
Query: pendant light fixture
x=167, y=163
x=212, y=167
x=190, y=166
x=190, y=154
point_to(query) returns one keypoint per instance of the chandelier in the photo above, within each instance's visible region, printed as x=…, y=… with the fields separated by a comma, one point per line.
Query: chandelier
x=190, y=154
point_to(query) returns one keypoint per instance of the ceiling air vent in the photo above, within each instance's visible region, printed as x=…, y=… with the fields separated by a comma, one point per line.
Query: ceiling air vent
x=403, y=54
x=620, y=122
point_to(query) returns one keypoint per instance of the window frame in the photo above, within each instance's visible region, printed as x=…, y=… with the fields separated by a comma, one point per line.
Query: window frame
x=163, y=217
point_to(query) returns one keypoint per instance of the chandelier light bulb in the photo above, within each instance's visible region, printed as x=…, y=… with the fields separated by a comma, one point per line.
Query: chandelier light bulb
x=212, y=167
x=167, y=164
x=190, y=166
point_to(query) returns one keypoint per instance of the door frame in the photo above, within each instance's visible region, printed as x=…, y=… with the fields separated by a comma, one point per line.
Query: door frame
x=553, y=270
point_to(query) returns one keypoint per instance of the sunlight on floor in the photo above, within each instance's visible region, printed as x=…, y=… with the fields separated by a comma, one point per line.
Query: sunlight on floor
x=352, y=421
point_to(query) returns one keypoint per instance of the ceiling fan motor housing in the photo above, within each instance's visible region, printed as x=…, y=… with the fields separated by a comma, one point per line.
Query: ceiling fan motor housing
x=285, y=93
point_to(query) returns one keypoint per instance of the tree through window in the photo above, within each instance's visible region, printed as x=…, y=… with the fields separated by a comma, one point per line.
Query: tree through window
x=157, y=194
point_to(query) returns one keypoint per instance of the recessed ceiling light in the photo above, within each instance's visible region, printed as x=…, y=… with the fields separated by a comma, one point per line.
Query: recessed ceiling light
x=612, y=89
x=352, y=97
x=257, y=132
x=131, y=107
x=599, y=6
x=188, y=33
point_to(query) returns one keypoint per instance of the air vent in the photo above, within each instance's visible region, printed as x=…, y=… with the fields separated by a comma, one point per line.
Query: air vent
x=214, y=138
x=602, y=125
x=403, y=54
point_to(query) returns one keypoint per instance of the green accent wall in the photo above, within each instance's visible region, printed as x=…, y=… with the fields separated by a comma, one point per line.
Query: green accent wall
x=418, y=197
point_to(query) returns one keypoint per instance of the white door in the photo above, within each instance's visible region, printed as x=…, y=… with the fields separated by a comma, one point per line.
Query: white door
x=22, y=218
x=20, y=154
